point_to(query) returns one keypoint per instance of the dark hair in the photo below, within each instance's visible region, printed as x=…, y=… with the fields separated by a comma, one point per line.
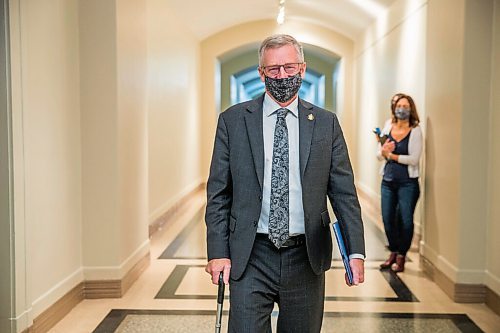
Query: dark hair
x=414, y=120
x=394, y=100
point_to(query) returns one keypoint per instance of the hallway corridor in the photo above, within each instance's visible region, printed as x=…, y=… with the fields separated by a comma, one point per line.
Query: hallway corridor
x=107, y=125
x=174, y=294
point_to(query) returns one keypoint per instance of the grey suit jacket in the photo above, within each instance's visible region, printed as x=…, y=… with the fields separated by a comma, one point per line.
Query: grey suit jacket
x=234, y=188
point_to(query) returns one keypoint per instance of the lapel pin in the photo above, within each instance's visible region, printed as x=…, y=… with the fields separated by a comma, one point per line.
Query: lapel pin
x=310, y=116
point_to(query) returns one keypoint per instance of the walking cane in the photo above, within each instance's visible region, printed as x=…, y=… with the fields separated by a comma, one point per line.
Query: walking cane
x=220, y=300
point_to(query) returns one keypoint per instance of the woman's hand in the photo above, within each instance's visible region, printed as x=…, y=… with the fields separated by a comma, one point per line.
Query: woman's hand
x=387, y=148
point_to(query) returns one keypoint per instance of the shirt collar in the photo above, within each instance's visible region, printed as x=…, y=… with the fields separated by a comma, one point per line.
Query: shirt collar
x=270, y=106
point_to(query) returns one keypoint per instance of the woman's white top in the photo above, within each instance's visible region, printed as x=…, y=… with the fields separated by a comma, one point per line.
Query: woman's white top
x=414, y=150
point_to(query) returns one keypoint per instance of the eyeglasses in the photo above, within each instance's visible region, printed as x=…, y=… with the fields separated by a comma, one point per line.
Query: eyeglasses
x=290, y=69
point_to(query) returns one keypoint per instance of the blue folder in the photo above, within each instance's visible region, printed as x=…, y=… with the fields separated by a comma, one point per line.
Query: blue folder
x=339, y=236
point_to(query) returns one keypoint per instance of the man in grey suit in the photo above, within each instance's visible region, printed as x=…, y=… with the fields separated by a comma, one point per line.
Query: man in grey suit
x=275, y=161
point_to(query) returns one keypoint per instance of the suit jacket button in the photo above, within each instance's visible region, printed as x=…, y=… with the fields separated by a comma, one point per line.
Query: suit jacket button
x=255, y=223
x=260, y=197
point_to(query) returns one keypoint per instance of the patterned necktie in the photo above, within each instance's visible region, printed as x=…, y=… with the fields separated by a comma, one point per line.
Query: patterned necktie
x=278, y=214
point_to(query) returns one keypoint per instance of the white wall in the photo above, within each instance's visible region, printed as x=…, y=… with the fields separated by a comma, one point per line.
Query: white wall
x=47, y=152
x=444, y=82
x=79, y=72
x=113, y=64
x=460, y=206
x=461, y=212
x=131, y=40
x=475, y=141
x=493, y=229
x=98, y=53
x=173, y=108
x=80, y=100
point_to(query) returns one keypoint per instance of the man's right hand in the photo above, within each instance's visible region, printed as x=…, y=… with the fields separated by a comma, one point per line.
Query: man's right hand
x=215, y=266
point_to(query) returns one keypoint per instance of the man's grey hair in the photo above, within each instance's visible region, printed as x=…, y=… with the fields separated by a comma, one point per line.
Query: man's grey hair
x=277, y=41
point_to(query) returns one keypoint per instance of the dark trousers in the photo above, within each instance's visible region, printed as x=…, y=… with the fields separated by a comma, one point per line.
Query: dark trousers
x=277, y=276
x=399, y=229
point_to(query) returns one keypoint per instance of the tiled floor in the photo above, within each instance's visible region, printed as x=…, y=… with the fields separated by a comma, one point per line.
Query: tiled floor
x=175, y=294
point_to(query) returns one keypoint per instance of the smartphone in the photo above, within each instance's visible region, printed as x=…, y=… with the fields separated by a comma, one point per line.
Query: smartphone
x=383, y=139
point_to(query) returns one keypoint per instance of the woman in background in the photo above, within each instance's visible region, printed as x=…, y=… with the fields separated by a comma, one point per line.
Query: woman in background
x=400, y=188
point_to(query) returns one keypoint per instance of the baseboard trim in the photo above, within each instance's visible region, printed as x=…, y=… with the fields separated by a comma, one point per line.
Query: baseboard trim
x=458, y=292
x=112, y=288
x=493, y=300
x=136, y=271
x=115, y=288
x=48, y=318
x=90, y=289
x=175, y=210
x=102, y=289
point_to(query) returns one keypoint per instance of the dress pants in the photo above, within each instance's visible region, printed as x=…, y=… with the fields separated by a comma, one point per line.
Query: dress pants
x=283, y=276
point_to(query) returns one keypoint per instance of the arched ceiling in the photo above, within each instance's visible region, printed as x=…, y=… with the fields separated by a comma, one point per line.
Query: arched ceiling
x=347, y=17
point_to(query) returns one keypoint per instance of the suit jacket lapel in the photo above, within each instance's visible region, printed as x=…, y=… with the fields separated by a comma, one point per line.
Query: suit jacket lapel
x=306, y=127
x=255, y=132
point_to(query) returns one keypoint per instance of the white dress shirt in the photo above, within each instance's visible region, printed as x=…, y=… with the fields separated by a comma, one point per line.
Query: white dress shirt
x=296, y=208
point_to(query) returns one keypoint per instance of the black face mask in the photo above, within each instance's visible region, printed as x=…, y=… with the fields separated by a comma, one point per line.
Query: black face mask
x=283, y=89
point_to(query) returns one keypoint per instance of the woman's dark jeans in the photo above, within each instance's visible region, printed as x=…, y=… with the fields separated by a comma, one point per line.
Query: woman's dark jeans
x=404, y=197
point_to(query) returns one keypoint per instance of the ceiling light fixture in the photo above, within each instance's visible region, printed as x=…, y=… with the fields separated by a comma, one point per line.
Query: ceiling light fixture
x=281, y=13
